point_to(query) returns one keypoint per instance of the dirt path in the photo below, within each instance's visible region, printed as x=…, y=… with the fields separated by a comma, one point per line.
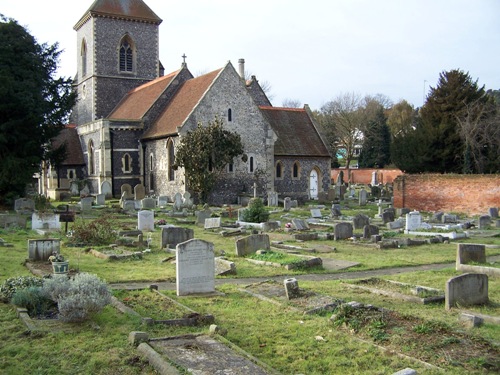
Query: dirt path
x=309, y=277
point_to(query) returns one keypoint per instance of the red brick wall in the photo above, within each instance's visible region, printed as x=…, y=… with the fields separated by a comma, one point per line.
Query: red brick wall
x=469, y=194
x=364, y=175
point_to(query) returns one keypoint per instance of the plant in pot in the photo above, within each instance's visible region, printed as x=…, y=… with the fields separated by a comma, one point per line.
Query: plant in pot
x=59, y=264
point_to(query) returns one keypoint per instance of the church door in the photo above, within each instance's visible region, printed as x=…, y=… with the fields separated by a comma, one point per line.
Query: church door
x=313, y=184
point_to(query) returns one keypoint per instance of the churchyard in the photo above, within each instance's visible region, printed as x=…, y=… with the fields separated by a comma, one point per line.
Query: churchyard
x=319, y=288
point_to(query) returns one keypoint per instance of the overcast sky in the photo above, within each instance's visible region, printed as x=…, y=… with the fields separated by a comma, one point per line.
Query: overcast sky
x=308, y=51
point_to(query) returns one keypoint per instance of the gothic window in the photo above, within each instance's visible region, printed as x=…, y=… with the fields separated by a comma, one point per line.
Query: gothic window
x=91, y=160
x=151, y=162
x=171, y=160
x=71, y=174
x=251, y=164
x=126, y=164
x=279, y=170
x=296, y=170
x=230, y=167
x=84, y=58
x=229, y=115
x=126, y=56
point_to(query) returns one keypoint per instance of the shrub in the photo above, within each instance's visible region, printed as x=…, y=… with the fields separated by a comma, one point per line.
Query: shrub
x=95, y=232
x=78, y=298
x=33, y=299
x=256, y=212
x=13, y=284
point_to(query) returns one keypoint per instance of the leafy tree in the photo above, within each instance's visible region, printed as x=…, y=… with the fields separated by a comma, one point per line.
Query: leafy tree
x=446, y=150
x=376, y=152
x=204, y=153
x=408, y=148
x=401, y=118
x=34, y=105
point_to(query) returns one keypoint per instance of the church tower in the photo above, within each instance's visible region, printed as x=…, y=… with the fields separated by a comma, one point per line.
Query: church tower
x=117, y=50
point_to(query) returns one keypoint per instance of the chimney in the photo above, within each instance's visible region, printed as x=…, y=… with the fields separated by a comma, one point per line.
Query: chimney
x=241, y=63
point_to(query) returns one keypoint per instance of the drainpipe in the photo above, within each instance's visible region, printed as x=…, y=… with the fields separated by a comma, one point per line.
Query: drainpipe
x=112, y=162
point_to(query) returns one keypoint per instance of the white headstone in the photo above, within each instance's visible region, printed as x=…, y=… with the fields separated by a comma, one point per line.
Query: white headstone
x=195, y=267
x=45, y=221
x=106, y=189
x=413, y=221
x=212, y=222
x=316, y=213
x=100, y=199
x=146, y=220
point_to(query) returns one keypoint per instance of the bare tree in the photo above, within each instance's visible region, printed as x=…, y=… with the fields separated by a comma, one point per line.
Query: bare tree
x=291, y=103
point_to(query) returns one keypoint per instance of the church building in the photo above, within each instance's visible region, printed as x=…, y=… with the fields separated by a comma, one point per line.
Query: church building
x=130, y=117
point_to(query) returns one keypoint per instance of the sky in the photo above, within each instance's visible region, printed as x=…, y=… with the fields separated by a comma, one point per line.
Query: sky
x=306, y=51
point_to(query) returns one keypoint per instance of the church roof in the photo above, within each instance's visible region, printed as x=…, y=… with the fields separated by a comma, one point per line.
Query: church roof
x=181, y=105
x=139, y=100
x=69, y=137
x=135, y=10
x=296, y=133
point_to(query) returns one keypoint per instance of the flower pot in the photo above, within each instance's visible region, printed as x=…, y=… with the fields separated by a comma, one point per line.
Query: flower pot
x=60, y=267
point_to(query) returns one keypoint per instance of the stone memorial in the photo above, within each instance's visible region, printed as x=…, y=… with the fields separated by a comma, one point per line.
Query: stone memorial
x=127, y=189
x=374, y=179
x=362, y=197
x=86, y=204
x=413, y=221
x=24, y=206
x=335, y=210
x=387, y=216
x=205, y=214
x=466, y=290
x=360, y=221
x=493, y=212
x=129, y=206
x=106, y=189
x=369, y=231
x=250, y=244
x=316, y=213
x=187, y=201
x=148, y=204
x=300, y=224
x=162, y=201
x=42, y=249
x=172, y=236
x=469, y=252
x=85, y=192
x=287, y=204
x=100, y=199
x=74, y=188
x=177, y=202
x=195, y=267
x=146, y=220
x=292, y=288
x=272, y=199
x=342, y=231
x=484, y=222
x=46, y=221
x=212, y=223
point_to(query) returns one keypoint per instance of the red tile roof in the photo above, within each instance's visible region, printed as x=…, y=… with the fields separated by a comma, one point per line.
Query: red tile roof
x=297, y=135
x=74, y=153
x=139, y=100
x=181, y=105
x=128, y=9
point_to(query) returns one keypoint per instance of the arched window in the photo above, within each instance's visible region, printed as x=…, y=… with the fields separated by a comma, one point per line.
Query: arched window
x=171, y=160
x=83, y=57
x=91, y=161
x=296, y=170
x=151, y=162
x=229, y=115
x=279, y=170
x=251, y=165
x=126, y=163
x=126, y=55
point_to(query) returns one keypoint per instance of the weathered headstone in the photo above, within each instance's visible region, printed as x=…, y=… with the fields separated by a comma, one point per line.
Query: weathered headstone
x=300, y=224
x=287, y=205
x=335, y=210
x=45, y=221
x=370, y=230
x=74, y=189
x=316, y=213
x=470, y=252
x=187, y=201
x=250, y=244
x=484, y=222
x=146, y=220
x=42, y=249
x=241, y=214
x=148, y=203
x=126, y=188
x=86, y=204
x=493, y=212
x=292, y=288
x=100, y=199
x=162, y=201
x=449, y=218
x=224, y=267
x=85, y=192
x=139, y=192
x=24, y=206
x=375, y=192
x=177, y=202
x=195, y=267
x=360, y=221
x=466, y=290
x=374, y=178
x=413, y=221
x=205, y=214
x=362, y=197
x=7, y=221
x=342, y=231
x=172, y=236
x=129, y=206
x=272, y=199
x=387, y=216
x=106, y=189
x=212, y=222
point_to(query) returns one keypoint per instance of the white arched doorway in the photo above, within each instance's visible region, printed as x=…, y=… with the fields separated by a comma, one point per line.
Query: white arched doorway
x=313, y=184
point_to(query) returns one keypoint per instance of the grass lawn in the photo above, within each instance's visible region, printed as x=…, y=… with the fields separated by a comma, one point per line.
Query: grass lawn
x=278, y=335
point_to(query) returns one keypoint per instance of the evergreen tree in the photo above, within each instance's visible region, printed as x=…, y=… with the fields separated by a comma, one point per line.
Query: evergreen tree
x=376, y=152
x=204, y=153
x=33, y=105
x=445, y=149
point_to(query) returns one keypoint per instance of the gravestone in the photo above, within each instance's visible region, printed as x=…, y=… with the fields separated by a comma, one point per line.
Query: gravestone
x=187, y=201
x=287, y=204
x=129, y=206
x=292, y=288
x=162, y=201
x=126, y=188
x=387, y=216
x=369, y=231
x=74, y=189
x=212, y=222
x=177, y=202
x=362, y=197
x=86, y=204
x=413, y=221
x=484, y=222
x=224, y=267
x=396, y=224
x=172, y=236
x=106, y=189
x=335, y=210
x=205, y=214
x=466, y=290
x=316, y=213
x=449, y=218
x=272, y=199
x=195, y=267
x=493, y=212
x=360, y=221
x=294, y=203
x=139, y=192
x=148, y=203
x=49, y=221
x=100, y=199
x=300, y=224
x=374, y=179
x=7, y=221
x=342, y=231
x=437, y=217
x=375, y=192
x=42, y=249
x=146, y=220
x=241, y=214
x=85, y=192
x=468, y=252
x=250, y=244
x=24, y=206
